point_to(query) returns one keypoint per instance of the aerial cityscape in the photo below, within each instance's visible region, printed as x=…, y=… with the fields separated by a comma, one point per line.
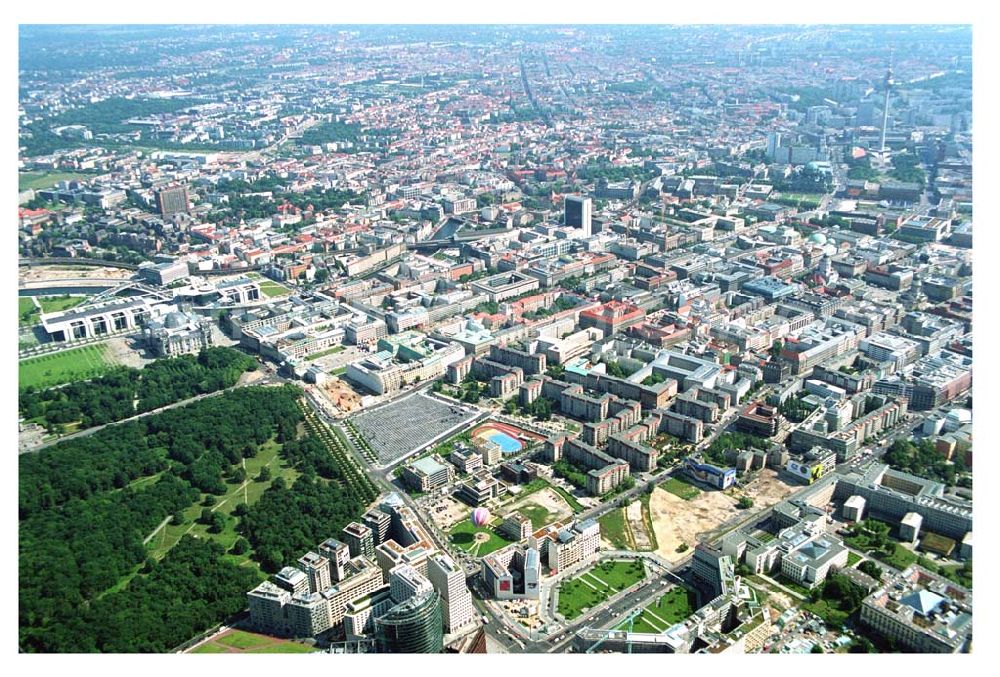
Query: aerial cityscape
x=393, y=339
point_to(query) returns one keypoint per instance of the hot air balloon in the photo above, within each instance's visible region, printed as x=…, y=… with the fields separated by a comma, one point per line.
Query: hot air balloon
x=480, y=516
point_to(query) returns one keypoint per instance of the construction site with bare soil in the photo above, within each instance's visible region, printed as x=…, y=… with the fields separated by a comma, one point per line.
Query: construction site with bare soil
x=680, y=523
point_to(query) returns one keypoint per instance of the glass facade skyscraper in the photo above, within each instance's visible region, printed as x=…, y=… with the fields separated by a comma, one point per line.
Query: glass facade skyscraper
x=415, y=626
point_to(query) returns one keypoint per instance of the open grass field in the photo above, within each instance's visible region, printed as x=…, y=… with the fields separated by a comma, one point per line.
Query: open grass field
x=531, y=487
x=29, y=314
x=240, y=641
x=270, y=288
x=65, y=366
x=853, y=558
x=584, y=592
x=647, y=521
x=670, y=609
x=463, y=537
x=573, y=503
x=57, y=304
x=27, y=311
x=539, y=515
x=678, y=487
x=615, y=530
x=792, y=585
x=42, y=180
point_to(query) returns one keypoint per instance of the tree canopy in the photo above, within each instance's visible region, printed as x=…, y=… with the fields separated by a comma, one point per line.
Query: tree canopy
x=65, y=570
x=126, y=392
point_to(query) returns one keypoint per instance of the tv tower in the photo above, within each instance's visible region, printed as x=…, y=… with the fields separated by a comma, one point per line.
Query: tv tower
x=889, y=82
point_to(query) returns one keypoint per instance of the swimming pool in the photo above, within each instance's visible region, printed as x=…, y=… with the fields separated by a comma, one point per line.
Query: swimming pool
x=507, y=444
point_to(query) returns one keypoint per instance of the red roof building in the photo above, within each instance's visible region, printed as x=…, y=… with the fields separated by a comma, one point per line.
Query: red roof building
x=612, y=317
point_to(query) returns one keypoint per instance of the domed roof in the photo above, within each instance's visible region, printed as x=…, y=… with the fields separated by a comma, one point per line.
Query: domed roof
x=818, y=238
x=174, y=321
x=830, y=250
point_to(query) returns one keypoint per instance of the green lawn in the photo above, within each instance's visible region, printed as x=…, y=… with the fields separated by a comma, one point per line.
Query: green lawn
x=271, y=288
x=764, y=536
x=672, y=608
x=853, y=559
x=237, y=639
x=827, y=609
x=792, y=585
x=900, y=557
x=324, y=353
x=614, y=529
x=539, y=515
x=42, y=180
x=211, y=647
x=647, y=519
x=531, y=487
x=957, y=573
x=29, y=314
x=64, y=366
x=597, y=584
x=463, y=537
x=678, y=487
x=57, y=304
x=569, y=498
x=248, y=642
x=283, y=647
x=27, y=311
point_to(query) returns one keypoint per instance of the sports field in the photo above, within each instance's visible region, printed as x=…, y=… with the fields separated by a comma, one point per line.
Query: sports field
x=592, y=587
x=65, y=366
x=37, y=180
x=239, y=641
x=672, y=608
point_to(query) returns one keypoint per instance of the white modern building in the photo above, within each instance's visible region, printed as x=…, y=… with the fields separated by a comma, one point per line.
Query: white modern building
x=456, y=601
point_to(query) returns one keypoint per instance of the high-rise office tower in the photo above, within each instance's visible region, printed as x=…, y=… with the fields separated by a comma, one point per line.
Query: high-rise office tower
x=773, y=144
x=406, y=582
x=456, y=601
x=317, y=568
x=578, y=212
x=172, y=200
x=866, y=114
x=338, y=553
x=360, y=540
x=379, y=522
x=412, y=627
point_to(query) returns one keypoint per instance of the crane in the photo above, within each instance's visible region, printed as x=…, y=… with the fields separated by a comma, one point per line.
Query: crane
x=630, y=620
